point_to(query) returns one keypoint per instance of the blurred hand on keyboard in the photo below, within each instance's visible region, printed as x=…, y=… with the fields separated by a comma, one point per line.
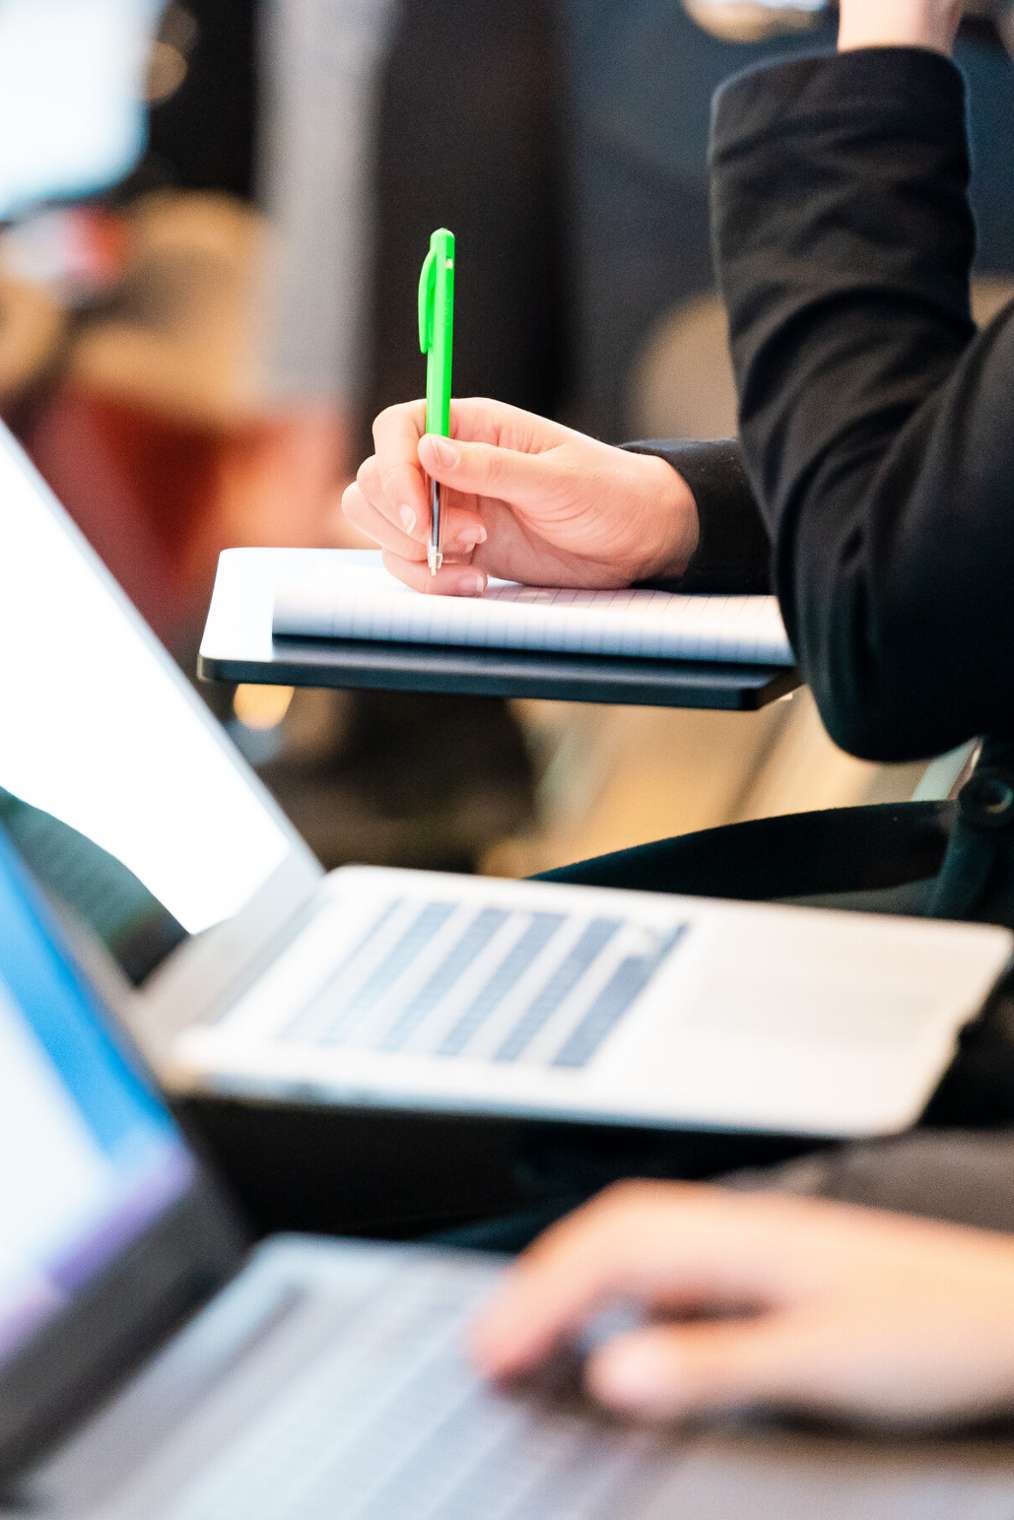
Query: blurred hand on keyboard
x=766, y=1300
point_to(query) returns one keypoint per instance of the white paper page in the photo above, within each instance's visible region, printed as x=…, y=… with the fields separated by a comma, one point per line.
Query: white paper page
x=347, y=594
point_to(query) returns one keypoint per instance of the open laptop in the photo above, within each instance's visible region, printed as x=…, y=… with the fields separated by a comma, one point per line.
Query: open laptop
x=256, y=975
x=151, y=1366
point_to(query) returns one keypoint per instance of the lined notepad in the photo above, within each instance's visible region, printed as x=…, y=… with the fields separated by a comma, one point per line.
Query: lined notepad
x=347, y=594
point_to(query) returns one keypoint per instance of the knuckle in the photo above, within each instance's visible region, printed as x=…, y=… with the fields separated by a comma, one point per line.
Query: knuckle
x=367, y=473
x=352, y=503
x=393, y=482
x=621, y=1196
x=489, y=464
x=566, y=477
x=391, y=417
x=635, y=1194
x=388, y=414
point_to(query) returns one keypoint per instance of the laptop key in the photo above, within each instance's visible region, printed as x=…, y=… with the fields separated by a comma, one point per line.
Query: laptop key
x=336, y=1016
x=501, y=982
x=560, y=983
x=442, y=981
x=615, y=1000
x=315, y=1017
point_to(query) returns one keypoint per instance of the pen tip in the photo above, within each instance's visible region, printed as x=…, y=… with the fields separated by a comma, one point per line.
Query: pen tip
x=434, y=559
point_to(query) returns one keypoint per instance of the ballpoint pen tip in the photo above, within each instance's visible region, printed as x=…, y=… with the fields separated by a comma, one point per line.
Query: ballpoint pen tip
x=434, y=558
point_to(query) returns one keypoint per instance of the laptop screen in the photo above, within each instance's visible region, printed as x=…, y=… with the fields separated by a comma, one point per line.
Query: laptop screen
x=115, y=782
x=89, y=1157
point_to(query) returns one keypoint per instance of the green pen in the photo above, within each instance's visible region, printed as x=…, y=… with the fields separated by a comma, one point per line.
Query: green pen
x=436, y=339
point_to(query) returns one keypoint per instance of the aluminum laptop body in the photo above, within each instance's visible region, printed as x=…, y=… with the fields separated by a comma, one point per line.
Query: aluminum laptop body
x=256, y=975
x=151, y=1366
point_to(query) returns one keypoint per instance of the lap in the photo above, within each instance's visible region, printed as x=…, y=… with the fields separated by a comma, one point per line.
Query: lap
x=938, y=1174
x=881, y=858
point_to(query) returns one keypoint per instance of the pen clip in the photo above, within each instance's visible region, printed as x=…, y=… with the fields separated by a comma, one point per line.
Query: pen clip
x=427, y=293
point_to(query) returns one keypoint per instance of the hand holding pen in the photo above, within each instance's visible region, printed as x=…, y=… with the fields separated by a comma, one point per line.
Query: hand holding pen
x=512, y=494
x=522, y=498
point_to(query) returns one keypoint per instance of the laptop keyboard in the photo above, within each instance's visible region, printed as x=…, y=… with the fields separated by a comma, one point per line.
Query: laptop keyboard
x=391, y=1422
x=487, y=983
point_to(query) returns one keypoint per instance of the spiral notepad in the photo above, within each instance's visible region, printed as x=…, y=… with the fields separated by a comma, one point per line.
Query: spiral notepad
x=347, y=594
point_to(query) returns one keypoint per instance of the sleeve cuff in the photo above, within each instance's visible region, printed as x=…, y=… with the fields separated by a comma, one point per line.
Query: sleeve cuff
x=923, y=89
x=733, y=552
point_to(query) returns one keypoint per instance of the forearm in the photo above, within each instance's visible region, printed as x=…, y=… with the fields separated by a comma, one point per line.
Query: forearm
x=733, y=551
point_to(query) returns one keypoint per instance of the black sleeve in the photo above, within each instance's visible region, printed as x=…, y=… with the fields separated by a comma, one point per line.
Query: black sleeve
x=733, y=551
x=876, y=424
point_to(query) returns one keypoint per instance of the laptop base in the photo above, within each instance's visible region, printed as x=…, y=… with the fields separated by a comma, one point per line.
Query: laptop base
x=220, y=1424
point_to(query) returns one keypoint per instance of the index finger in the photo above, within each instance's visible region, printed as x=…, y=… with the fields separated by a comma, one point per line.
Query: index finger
x=662, y=1244
x=396, y=434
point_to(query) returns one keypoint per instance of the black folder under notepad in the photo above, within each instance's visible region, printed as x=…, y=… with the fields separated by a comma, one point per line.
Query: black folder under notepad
x=335, y=618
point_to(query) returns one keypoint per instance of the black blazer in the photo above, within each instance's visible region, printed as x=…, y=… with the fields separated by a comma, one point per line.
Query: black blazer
x=874, y=478
x=877, y=424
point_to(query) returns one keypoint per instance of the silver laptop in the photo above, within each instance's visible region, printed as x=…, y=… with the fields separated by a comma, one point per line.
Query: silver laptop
x=305, y=1379
x=255, y=974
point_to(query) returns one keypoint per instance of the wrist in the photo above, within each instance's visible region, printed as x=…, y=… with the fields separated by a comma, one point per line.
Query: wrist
x=929, y=24
x=674, y=508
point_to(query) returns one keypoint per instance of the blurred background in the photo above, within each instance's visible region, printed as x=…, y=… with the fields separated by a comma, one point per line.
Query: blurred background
x=193, y=356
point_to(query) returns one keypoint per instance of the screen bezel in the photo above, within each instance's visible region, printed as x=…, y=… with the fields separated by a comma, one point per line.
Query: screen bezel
x=80, y=1355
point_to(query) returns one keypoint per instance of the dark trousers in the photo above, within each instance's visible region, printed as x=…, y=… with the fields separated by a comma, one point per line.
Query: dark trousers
x=880, y=859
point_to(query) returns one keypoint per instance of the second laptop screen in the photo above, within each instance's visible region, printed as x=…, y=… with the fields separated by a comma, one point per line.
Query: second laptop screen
x=115, y=782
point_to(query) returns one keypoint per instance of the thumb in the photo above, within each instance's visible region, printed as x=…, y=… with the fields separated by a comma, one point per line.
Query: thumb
x=488, y=470
x=669, y=1372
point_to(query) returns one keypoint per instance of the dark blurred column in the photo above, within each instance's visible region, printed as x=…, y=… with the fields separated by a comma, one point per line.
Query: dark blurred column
x=470, y=137
x=202, y=137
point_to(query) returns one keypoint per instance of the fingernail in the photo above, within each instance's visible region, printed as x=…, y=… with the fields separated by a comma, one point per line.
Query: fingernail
x=471, y=584
x=444, y=452
x=408, y=518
